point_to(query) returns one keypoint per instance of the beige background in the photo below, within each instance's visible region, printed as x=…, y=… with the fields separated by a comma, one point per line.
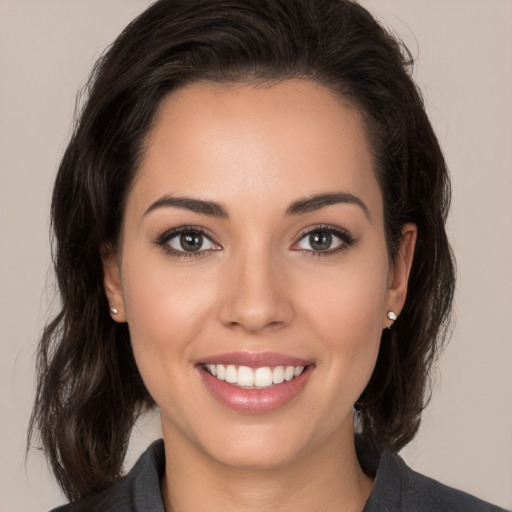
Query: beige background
x=47, y=48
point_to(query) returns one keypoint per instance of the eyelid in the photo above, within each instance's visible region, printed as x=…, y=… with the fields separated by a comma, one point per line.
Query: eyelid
x=162, y=241
x=343, y=234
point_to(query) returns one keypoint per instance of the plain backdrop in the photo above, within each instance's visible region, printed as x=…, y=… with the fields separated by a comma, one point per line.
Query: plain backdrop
x=464, y=68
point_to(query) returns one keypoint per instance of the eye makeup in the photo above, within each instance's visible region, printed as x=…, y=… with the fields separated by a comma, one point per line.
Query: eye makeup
x=324, y=240
x=192, y=241
x=187, y=242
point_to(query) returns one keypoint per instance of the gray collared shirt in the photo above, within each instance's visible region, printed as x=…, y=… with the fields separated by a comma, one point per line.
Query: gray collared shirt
x=397, y=489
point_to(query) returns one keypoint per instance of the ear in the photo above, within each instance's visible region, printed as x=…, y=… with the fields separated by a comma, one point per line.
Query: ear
x=399, y=272
x=112, y=284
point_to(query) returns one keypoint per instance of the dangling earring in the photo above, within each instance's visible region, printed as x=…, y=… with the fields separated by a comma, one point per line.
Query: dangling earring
x=358, y=422
x=391, y=315
x=114, y=311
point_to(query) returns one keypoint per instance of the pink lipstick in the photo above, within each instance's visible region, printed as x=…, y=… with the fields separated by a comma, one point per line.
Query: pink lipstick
x=254, y=382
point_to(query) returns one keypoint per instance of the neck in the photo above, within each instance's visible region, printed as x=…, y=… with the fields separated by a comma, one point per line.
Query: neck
x=327, y=479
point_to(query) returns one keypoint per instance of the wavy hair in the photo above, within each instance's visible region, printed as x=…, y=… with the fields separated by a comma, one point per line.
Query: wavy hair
x=89, y=391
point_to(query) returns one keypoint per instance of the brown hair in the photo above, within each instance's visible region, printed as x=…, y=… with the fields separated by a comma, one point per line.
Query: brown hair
x=89, y=389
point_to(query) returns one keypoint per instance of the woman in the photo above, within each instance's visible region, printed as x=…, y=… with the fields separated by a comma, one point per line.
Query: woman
x=249, y=225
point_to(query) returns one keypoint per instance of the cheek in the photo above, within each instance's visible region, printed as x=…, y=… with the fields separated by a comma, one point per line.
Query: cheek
x=353, y=295
x=166, y=309
x=347, y=314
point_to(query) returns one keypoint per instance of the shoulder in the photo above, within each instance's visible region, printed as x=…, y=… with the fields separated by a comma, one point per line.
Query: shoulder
x=397, y=487
x=137, y=491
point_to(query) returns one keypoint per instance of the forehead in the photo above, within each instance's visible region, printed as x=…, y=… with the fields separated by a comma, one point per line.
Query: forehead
x=241, y=143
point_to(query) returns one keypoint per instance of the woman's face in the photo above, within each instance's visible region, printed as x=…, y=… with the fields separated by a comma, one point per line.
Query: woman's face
x=253, y=248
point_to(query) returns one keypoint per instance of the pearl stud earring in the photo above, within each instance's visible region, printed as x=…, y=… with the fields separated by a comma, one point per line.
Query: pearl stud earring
x=114, y=311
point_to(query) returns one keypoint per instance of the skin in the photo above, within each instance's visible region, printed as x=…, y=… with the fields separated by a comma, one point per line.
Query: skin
x=258, y=287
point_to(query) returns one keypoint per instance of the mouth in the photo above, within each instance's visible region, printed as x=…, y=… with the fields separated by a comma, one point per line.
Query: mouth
x=246, y=377
x=255, y=383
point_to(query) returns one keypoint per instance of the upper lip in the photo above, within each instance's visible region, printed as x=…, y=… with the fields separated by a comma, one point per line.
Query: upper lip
x=255, y=359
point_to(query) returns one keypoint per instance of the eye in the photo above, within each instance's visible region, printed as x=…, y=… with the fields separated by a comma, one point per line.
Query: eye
x=186, y=241
x=190, y=241
x=319, y=241
x=324, y=240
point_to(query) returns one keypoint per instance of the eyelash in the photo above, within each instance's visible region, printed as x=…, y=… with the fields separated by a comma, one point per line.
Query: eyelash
x=347, y=240
x=163, y=241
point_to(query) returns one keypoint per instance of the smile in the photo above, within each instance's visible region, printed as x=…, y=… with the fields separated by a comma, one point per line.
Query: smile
x=253, y=378
x=255, y=383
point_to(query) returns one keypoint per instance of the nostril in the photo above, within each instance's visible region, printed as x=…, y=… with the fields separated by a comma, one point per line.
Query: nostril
x=254, y=330
x=256, y=300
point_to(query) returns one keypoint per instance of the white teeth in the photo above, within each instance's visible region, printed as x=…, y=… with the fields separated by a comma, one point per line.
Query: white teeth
x=289, y=373
x=278, y=375
x=221, y=372
x=298, y=370
x=263, y=377
x=246, y=377
x=231, y=374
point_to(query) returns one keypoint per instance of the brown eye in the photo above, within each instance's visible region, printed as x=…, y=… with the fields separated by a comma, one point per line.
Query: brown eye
x=191, y=241
x=320, y=241
x=324, y=240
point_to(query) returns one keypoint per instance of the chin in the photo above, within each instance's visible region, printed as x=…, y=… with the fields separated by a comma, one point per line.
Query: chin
x=272, y=445
x=265, y=454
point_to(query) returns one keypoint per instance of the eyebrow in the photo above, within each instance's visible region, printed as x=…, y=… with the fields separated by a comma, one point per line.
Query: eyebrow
x=213, y=209
x=209, y=208
x=317, y=202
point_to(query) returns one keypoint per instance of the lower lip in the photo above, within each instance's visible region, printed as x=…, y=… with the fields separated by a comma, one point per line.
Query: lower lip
x=255, y=400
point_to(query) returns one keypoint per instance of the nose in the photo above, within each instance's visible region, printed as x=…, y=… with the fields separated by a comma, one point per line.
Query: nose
x=256, y=297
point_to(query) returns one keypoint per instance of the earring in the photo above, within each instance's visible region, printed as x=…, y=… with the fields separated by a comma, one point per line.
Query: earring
x=391, y=315
x=114, y=311
x=358, y=421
